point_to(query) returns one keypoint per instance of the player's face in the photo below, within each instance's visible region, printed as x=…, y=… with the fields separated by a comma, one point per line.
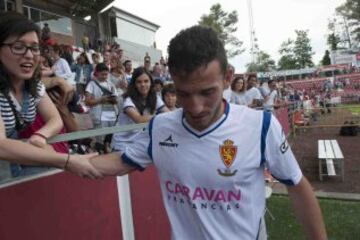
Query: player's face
x=200, y=95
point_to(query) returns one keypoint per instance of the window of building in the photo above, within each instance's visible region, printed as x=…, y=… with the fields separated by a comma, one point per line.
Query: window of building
x=2, y=5
x=58, y=24
x=10, y=6
x=7, y=5
x=35, y=15
x=26, y=12
x=113, y=29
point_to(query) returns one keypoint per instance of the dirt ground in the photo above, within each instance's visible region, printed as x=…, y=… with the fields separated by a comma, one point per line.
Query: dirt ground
x=305, y=148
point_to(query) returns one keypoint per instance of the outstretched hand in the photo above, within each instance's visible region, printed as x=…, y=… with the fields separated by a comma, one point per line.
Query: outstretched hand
x=81, y=166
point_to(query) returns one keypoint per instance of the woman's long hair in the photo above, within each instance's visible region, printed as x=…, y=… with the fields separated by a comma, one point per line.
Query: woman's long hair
x=87, y=62
x=235, y=81
x=15, y=24
x=141, y=104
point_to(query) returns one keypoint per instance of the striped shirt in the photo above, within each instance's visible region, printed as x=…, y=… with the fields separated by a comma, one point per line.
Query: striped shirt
x=7, y=114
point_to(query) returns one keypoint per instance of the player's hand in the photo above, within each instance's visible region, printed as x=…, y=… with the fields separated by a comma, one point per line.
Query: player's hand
x=81, y=166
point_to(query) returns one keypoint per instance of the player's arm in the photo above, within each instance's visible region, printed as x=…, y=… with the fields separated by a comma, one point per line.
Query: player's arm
x=111, y=165
x=307, y=210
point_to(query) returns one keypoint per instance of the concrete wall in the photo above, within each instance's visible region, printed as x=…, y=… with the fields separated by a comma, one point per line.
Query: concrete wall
x=136, y=52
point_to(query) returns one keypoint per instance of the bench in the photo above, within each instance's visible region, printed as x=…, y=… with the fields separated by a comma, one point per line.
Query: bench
x=330, y=155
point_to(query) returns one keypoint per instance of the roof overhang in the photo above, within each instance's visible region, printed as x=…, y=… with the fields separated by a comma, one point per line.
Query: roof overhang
x=82, y=8
x=114, y=11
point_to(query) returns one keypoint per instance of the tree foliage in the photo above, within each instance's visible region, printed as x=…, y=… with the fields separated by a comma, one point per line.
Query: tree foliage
x=351, y=11
x=263, y=63
x=303, y=50
x=326, y=59
x=287, y=60
x=333, y=41
x=296, y=54
x=333, y=38
x=224, y=24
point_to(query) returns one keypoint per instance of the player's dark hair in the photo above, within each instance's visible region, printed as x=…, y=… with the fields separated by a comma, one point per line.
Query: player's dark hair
x=195, y=47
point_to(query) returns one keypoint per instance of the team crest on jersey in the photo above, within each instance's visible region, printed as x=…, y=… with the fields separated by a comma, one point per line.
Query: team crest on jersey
x=228, y=154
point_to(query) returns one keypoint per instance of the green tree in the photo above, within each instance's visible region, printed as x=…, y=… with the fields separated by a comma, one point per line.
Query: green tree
x=224, y=24
x=263, y=63
x=333, y=41
x=326, y=59
x=333, y=38
x=303, y=50
x=287, y=60
x=351, y=11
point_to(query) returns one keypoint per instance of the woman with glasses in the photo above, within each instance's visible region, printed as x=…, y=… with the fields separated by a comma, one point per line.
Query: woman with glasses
x=22, y=95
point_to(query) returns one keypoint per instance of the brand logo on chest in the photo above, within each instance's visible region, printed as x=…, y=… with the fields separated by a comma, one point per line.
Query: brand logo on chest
x=168, y=142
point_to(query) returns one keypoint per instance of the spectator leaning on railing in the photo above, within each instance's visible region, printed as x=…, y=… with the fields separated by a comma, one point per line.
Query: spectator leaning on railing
x=22, y=95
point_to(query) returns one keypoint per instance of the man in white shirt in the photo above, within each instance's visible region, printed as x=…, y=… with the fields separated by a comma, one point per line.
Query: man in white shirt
x=128, y=70
x=271, y=98
x=253, y=96
x=210, y=154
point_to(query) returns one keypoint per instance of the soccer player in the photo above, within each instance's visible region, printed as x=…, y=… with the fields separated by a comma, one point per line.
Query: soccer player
x=210, y=154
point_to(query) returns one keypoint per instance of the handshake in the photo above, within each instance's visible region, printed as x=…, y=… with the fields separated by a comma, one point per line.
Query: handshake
x=96, y=166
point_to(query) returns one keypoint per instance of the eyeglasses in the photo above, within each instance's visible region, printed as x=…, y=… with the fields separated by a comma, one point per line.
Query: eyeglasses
x=19, y=48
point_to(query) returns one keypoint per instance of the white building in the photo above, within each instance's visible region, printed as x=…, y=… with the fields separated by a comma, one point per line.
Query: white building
x=346, y=57
x=135, y=35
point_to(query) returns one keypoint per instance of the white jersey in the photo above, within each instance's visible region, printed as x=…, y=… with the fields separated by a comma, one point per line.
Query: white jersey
x=227, y=94
x=269, y=104
x=121, y=139
x=212, y=181
x=251, y=94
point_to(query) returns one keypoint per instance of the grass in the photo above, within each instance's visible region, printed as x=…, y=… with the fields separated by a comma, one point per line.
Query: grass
x=342, y=219
x=354, y=108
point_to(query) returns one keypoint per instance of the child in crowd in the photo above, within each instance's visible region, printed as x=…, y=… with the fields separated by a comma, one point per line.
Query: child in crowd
x=169, y=96
x=158, y=85
x=101, y=96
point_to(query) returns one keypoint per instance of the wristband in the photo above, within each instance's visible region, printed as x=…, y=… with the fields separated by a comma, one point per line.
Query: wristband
x=40, y=135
